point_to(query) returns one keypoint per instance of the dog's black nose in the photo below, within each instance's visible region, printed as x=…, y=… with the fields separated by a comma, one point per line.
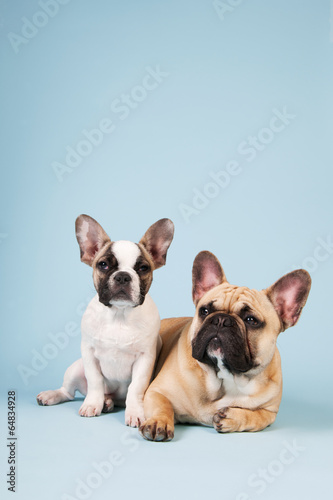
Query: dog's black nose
x=222, y=320
x=123, y=278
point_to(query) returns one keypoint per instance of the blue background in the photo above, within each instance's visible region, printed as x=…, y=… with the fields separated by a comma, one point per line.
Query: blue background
x=224, y=74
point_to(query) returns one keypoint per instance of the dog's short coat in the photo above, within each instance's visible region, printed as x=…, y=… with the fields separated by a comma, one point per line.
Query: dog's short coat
x=120, y=328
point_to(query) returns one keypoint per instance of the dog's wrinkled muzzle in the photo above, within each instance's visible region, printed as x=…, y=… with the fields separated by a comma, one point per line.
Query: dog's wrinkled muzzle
x=221, y=337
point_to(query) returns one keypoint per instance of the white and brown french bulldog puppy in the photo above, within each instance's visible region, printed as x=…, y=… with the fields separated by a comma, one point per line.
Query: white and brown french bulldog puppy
x=120, y=328
x=222, y=368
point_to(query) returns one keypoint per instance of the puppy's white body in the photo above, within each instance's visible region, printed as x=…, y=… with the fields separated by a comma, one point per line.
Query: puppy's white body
x=119, y=347
x=118, y=337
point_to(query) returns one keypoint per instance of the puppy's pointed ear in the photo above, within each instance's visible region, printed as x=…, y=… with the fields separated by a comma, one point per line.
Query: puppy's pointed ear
x=288, y=296
x=207, y=273
x=91, y=237
x=157, y=240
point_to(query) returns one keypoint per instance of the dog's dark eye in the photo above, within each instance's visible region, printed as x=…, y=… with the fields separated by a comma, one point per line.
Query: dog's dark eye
x=103, y=265
x=251, y=320
x=203, y=311
x=143, y=268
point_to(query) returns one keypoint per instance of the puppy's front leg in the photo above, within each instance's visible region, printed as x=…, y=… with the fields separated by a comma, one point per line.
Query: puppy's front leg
x=241, y=419
x=93, y=404
x=141, y=376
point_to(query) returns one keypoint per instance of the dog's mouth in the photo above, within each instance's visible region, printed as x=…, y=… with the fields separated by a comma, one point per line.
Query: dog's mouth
x=216, y=342
x=121, y=294
x=119, y=298
x=214, y=347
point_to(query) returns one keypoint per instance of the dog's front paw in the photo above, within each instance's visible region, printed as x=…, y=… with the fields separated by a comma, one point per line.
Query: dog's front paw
x=134, y=417
x=91, y=408
x=159, y=429
x=225, y=420
x=49, y=398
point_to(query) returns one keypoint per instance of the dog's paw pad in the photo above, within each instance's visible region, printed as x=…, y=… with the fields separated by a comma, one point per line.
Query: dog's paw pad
x=133, y=421
x=134, y=417
x=41, y=401
x=87, y=410
x=157, y=430
x=49, y=398
x=223, y=421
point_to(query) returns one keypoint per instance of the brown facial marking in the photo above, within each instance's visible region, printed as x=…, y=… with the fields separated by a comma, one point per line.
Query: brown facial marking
x=144, y=267
x=106, y=264
x=103, y=273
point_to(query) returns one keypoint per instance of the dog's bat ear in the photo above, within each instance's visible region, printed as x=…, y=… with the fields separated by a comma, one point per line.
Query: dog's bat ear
x=157, y=240
x=207, y=273
x=288, y=296
x=91, y=238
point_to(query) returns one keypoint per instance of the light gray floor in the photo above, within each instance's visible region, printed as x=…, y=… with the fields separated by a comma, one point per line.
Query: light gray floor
x=59, y=452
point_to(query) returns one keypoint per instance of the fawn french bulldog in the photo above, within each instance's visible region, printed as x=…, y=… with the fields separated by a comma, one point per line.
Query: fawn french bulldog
x=120, y=327
x=222, y=368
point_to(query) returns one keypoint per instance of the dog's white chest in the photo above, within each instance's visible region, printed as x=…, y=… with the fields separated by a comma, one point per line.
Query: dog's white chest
x=116, y=349
x=236, y=386
x=118, y=337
